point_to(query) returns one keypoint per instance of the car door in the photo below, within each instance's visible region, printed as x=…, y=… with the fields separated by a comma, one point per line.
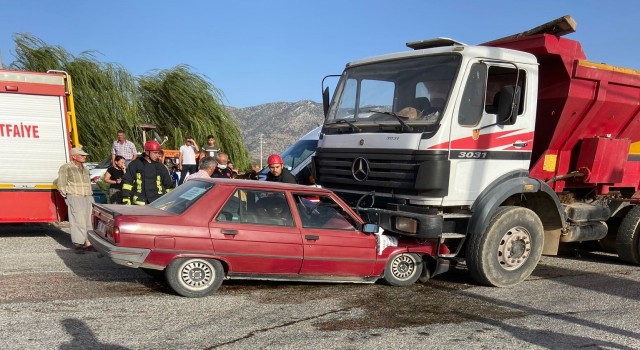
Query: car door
x=333, y=245
x=255, y=233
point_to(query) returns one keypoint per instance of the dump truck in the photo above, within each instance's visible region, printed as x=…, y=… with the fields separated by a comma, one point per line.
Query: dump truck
x=502, y=151
x=37, y=131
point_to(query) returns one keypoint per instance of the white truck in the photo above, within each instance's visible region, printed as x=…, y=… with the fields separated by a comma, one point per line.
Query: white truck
x=37, y=131
x=499, y=152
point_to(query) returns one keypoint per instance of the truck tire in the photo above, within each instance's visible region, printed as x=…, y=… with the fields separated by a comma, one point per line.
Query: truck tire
x=508, y=250
x=194, y=277
x=403, y=270
x=627, y=242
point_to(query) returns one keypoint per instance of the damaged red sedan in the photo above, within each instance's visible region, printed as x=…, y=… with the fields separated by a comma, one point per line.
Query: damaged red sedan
x=209, y=230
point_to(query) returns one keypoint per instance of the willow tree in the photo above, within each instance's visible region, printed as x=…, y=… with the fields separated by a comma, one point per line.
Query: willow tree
x=108, y=98
x=105, y=93
x=182, y=103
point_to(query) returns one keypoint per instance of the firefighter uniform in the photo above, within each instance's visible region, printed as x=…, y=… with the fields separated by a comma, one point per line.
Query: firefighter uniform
x=145, y=182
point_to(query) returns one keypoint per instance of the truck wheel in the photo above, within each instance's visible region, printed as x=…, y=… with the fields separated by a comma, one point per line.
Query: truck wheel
x=627, y=242
x=196, y=277
x=403, y=270
x=508, y=250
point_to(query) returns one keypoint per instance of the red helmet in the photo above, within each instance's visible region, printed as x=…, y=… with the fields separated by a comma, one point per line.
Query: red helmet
x=152, y=146
x=274, y=159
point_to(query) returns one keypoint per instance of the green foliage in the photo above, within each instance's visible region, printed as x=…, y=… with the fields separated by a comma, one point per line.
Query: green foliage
x=109, y=98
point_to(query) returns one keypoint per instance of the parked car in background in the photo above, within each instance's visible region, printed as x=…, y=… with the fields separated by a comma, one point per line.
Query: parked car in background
x=96, y=173
x=297, y=158
x=209, y=230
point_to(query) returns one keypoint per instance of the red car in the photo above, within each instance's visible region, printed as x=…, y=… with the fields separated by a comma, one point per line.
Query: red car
x=209, y=230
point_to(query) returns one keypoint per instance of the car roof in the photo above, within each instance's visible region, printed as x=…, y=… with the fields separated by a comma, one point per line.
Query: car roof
x=266, y=185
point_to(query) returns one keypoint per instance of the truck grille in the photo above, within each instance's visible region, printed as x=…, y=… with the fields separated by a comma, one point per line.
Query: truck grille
x=397, y=171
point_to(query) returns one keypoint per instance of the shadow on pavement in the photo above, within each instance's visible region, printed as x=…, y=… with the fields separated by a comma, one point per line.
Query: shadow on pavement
x=83, y=337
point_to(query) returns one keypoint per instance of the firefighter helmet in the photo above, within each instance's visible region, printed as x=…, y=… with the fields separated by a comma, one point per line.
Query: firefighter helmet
x=152, y=146
x=274, y=159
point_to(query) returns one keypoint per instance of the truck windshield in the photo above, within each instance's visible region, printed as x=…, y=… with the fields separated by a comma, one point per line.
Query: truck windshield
x=416, y=89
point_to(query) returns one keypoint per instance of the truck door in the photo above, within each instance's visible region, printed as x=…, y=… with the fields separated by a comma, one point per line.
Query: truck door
x=486, y=140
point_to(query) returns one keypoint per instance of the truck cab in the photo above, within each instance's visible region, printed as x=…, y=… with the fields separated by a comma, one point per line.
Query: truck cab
x=430, y=127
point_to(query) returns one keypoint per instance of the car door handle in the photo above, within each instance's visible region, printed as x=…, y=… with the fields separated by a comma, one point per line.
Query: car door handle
x=520, y=144
x=229, y=232
x=312, y=237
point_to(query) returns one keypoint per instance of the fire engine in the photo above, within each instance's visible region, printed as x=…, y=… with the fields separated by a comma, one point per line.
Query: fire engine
x=37, y=131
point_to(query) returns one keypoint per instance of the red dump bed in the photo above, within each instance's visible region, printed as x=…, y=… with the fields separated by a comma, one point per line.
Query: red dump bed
x=587, y=119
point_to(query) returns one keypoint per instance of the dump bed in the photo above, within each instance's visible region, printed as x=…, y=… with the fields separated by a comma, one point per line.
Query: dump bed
x=587, y=125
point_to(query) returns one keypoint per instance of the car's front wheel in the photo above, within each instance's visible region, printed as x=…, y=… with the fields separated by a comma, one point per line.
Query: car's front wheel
x=403, y=270
x=195, y=277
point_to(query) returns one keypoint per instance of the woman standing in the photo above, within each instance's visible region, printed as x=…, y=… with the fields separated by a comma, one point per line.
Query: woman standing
x=113, y=177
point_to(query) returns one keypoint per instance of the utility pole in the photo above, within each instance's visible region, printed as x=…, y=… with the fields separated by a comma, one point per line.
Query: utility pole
x=261, y=151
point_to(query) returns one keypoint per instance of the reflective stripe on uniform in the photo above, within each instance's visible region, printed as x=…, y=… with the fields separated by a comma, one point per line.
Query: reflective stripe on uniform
x=127, y=187
x=139, y=182
x=159, y=184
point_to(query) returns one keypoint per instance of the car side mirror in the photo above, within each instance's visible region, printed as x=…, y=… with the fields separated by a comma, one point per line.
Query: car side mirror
x=370, y=228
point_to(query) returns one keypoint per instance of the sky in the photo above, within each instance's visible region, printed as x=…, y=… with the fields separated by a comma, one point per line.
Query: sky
x=258, y=52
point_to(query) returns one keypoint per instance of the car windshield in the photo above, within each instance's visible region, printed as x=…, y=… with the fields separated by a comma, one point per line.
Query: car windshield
x=182, y=197
x=415, y=89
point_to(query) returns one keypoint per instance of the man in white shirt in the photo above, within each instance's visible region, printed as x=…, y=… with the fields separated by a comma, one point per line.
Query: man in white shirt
x=187, y=158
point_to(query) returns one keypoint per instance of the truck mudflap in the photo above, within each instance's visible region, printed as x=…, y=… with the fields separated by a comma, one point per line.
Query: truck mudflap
x=131, y=257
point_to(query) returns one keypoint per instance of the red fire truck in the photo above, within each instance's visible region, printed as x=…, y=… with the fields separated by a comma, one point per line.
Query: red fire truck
x=37, y=132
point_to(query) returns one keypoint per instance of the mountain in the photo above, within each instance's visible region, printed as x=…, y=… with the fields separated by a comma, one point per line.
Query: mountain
x=280, y=123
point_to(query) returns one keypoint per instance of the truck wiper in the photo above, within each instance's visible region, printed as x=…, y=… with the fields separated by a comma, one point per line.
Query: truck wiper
x=353, y=126
x=402, y=123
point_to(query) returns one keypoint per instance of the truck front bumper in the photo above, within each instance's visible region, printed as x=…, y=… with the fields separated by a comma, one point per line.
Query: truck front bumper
x=131, y=257
x=428, y=225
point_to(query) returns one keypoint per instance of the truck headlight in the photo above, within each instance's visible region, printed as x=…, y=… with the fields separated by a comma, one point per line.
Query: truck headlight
x=406, y=224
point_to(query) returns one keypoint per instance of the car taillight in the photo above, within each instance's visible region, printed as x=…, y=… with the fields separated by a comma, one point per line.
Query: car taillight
x=116, y=234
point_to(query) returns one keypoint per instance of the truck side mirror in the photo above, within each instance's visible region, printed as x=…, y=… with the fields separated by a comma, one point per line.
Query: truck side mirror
x=508, y=105
x=325, y=100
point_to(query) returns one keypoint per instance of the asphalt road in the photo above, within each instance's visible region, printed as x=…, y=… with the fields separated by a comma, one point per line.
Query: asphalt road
x=52, y=298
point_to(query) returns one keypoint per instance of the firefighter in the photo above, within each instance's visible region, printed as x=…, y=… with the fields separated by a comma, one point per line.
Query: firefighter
x=277, y=171
x=147, y=178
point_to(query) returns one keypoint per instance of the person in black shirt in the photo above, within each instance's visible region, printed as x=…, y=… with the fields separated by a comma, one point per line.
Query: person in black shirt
x=222, y=170
x=146, y=178
x=113, y=177
x=277, y=171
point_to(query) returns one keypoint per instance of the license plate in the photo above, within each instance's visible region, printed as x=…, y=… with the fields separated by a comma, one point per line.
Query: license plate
x=102, y=227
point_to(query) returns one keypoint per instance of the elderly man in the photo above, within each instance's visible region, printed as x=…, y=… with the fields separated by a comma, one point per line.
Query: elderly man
x=207, y=166
x=222, y=170
x=74, y=185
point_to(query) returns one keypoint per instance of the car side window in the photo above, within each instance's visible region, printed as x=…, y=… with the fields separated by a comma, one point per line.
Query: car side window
x=257, y=207
x=324, y=213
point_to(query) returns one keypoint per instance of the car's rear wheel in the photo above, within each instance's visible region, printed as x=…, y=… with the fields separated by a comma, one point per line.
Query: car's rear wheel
x=195, y=277
x=403, y=270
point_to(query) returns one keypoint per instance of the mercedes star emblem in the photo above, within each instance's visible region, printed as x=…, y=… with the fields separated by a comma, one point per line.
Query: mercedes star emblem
x=360, y=169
